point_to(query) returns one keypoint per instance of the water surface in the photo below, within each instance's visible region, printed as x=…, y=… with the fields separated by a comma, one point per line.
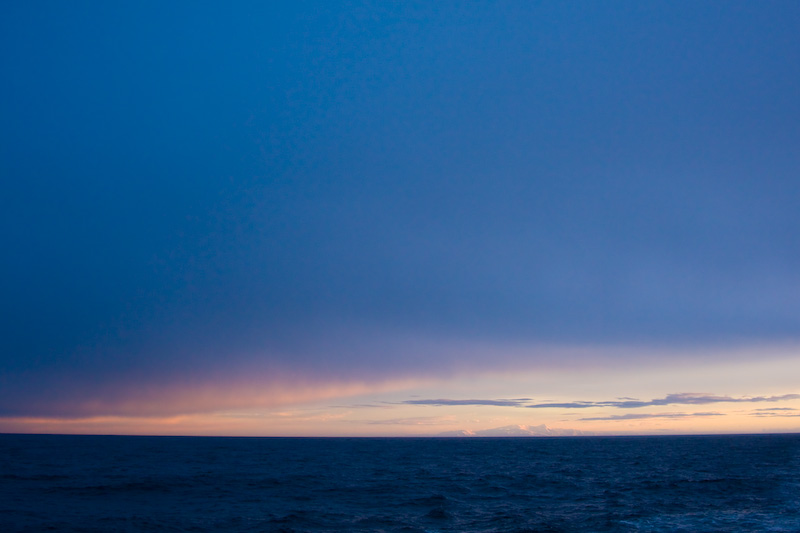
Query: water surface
x=92, y=483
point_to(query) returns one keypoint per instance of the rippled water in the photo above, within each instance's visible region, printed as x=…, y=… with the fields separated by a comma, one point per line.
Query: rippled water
x=720, y=483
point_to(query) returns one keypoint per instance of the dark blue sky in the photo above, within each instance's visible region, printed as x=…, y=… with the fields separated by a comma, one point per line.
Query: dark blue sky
x=198, y=188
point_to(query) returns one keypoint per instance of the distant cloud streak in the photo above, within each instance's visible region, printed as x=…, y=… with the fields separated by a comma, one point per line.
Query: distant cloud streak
x=776, y=412
x=413, y=421
x=440, y=402
x=646, y=416
x=569, y=405
x=684, y=398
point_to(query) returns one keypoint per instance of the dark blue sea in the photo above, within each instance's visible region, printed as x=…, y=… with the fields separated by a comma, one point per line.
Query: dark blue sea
x=90, y=483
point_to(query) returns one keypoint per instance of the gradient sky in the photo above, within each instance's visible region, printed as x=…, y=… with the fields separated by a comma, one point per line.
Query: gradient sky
x=392, y=218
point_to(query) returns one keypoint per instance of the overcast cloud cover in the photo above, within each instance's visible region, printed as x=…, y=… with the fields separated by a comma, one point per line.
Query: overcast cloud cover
x=253, y=199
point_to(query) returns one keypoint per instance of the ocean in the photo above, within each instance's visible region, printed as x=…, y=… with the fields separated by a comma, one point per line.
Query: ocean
x=595, y=484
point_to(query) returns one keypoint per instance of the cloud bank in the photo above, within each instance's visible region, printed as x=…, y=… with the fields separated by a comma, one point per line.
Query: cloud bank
x=684, y=398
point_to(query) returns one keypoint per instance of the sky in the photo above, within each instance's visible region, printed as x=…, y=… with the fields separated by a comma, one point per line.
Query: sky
x=375, y=218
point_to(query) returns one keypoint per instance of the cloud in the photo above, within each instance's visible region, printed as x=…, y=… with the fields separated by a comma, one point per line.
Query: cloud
x=379, y=405
x=781, y=412
x=690, y=398
x=414, y=421
x=645, y=416
x=567, y=405
x=684, y=398
x=441, y=402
